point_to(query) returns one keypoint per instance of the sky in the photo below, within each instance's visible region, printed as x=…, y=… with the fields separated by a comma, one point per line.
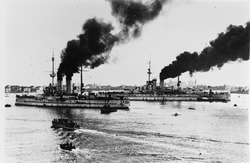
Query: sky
x=35, y=30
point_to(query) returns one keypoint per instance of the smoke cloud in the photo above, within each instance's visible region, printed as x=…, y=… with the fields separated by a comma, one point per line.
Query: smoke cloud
x=229, y=46
x=132, y=15
x=90, y=49
x=93, y=46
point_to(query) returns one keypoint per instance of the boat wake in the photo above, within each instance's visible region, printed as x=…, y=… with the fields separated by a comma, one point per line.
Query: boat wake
x=78, y=155
x=82, y=153
x=90, y=131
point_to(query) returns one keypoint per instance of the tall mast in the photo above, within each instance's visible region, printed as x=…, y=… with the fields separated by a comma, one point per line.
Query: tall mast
x=52, y=75
x=81, y=81
x=149, y=72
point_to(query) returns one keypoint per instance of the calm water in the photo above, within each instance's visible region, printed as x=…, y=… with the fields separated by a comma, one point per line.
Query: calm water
x=148, y=132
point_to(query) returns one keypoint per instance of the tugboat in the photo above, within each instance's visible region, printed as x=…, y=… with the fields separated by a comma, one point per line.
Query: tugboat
x=67, y=146
x=107, y=109
x=215, y=97
x=65, y=124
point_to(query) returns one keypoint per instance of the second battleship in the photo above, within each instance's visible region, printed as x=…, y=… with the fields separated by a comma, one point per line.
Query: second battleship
x=152, y=92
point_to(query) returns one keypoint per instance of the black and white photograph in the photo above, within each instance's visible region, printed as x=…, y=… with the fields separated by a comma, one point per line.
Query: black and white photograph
x=125, y=81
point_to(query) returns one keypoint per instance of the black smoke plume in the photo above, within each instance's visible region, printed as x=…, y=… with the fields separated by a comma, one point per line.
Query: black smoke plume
x=132, y=15
x=70, y=57
x=93, y=46
x=229, y=46
x=96, y=42
x=90, y=49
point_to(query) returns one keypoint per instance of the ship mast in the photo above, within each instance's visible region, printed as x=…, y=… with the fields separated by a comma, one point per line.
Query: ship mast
x=52, y=75
x=81, y=81
x=149, y=72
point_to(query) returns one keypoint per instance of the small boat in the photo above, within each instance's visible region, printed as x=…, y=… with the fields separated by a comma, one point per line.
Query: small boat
x=59, y=123
x=7, y=105
x=65, y=124
x=67, y=146
x=71, y=126
x=214, y=97
x=176, y=114
x=107, y=109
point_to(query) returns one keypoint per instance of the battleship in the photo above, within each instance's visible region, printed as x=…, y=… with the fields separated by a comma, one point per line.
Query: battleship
x=72, y=101
x=55, y=96
x=177, y=95
x=152, y=92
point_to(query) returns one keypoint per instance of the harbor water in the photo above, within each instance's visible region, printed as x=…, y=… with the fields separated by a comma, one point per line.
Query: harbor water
x=148, y=132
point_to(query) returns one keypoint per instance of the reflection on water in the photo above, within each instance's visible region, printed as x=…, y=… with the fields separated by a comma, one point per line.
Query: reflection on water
x=148, y=132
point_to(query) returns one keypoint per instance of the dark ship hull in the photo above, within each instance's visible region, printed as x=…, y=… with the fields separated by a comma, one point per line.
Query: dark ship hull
x=222, y=97
x=155, y=97
x=70, y=102
x=107, y=109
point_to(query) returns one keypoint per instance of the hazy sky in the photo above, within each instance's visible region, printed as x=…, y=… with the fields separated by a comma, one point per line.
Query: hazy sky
x=34, y=30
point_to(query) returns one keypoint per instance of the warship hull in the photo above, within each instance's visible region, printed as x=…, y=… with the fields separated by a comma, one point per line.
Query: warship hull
x=70, y=103
x=145, y=97
x=179, y=97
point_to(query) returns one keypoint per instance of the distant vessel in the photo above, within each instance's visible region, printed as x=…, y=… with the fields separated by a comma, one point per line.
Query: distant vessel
x=220, y=97
x=240, y=91
x=161, y=97
x=152, y=93
x=55, y=97
x=7, y=105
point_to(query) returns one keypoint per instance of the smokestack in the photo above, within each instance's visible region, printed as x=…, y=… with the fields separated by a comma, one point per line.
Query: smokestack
x=161, y=84
x=178, y=83
x=154, y=84
x=59, y=86
x=68, y=86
